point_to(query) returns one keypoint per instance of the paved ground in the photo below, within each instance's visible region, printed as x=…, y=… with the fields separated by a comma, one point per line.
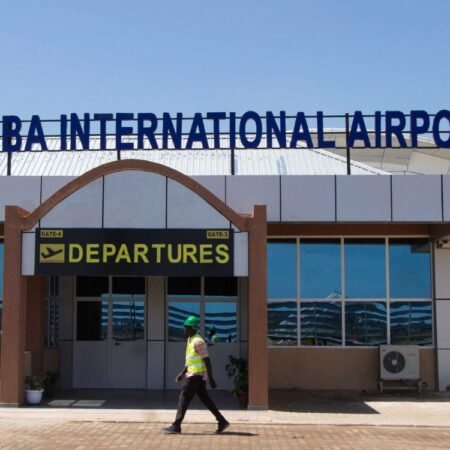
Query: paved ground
x=118, y=435
x=102, y=420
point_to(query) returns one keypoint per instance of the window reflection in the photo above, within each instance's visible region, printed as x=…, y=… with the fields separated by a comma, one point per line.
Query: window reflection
x=177, y=314
x=220, y=322
x=411, y=323
x=365, y=268
x=365, y=323
x=128, y=320
x=282, y=323
x=320, y=268
x=92, y=321
x=281, y=268
x=409, y=268
x=321, y=323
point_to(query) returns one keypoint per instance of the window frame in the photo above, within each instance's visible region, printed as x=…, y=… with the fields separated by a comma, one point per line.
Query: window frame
x=344, y=299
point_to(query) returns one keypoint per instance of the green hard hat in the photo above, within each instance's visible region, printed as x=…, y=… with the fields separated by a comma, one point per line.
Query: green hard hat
x=192, y=321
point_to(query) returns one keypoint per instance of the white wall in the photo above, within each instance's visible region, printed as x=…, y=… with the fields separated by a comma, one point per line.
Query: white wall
x=290, y=198
x=130, y=199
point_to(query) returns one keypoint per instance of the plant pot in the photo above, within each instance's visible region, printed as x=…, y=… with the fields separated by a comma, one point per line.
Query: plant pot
x=243, y=399
x=33, y=397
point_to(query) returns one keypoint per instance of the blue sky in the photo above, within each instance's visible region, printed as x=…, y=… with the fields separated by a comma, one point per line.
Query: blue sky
x=197, y=55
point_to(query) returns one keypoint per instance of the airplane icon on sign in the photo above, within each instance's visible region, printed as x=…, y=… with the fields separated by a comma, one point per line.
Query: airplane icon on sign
x=50, y=253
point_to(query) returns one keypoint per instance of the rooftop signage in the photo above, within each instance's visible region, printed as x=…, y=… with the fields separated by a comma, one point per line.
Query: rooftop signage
x=250, y=130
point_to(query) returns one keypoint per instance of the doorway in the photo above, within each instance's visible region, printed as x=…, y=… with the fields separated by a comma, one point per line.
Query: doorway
x=109, y=333
x=215, y=301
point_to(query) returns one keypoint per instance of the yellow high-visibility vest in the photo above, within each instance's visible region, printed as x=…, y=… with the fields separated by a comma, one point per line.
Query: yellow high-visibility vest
x=194, y=362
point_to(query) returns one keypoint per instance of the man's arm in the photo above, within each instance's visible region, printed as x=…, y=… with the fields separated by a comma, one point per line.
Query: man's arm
x=181, y=375
x=208, y=365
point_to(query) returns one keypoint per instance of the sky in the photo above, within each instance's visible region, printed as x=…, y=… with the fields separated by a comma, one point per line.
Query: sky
x=188, y=56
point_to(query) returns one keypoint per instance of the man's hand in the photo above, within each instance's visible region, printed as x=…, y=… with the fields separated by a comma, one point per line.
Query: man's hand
x=212, y=383
x=179, y=377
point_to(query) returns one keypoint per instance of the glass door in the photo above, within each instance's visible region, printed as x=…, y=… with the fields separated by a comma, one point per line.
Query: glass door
x=128, y=350
x=109, y=341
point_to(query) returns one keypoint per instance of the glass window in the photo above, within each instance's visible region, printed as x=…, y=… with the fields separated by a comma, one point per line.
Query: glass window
x=92, y=287
x=221, y=287
x=128, y=320
x=321, y=323
x=220, y=322
x=365, y=268
x=365, y=323
x=92, y=321
x=177, y=313
x=320, y=268
x=128, y=286
x=282, y=268
x=183, y=287
x=282, y=323
x=409, y=268
x=411, y=323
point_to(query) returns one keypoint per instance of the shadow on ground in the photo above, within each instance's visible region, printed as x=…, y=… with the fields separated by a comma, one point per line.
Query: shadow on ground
x=344, y=402
x=301, y=401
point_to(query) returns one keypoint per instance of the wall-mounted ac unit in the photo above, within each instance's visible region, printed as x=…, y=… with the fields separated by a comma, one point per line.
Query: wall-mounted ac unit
x=399, y=362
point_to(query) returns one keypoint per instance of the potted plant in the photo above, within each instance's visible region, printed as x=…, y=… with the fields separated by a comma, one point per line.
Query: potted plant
x=50, y=380
x=237, y=368
x=35, y=388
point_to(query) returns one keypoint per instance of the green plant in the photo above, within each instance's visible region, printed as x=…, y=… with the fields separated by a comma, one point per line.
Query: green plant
x=35, y=382
x=237, y=369
x=50, y=380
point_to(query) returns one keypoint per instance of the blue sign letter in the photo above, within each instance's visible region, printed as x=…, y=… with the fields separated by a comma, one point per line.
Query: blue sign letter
x=148, y=132
x=298, y=134
x=103, y=119
x=169, y=129
x=355, y=134
x=200, y=135
x=123, y=131
x=250, y=115
x=442, y=114
x=321, y=142
x=417, y=129
x=35, y=134
x=77, y=129
x=272, y=127
x=216, y=117
x=395, y=129
x=11, y=130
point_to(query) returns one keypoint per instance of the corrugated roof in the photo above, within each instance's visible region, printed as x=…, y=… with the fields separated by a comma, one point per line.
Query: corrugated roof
x=300, y=161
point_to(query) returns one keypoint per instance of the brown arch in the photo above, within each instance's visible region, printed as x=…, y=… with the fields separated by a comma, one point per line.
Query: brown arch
x=240, y=221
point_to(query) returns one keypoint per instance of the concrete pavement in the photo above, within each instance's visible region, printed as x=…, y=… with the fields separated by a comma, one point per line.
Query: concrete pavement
x=296, y=419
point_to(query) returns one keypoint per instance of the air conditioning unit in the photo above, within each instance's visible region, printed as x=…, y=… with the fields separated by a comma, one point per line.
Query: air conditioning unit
x=399, y=362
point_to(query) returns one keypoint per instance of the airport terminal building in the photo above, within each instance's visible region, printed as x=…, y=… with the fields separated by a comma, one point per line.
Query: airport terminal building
x=299, y=267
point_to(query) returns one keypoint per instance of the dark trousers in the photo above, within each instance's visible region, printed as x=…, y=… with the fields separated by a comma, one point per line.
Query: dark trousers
x=191, y=386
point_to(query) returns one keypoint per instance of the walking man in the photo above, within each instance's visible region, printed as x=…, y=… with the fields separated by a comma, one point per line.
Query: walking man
x=195, y=373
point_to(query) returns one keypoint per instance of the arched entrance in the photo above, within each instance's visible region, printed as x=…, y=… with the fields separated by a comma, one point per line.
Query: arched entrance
x=129, y=195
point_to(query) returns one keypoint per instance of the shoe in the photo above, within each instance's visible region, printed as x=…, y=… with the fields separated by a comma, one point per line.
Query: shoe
x=172, y=430
x=222, y=426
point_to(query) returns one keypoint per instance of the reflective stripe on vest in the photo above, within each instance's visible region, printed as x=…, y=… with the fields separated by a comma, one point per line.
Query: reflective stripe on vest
x=194, y=362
